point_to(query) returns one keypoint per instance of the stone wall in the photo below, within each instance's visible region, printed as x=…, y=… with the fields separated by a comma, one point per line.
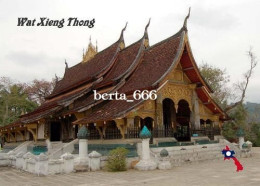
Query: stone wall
x=189, y=154
x=40, y=165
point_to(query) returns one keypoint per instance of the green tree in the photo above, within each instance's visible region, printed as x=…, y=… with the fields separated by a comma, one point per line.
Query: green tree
x=217, y=79
x=239, y=117
x=13, y=102
x=254, y=134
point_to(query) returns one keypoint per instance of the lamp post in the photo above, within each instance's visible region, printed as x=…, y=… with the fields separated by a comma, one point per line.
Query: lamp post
x=146, y=163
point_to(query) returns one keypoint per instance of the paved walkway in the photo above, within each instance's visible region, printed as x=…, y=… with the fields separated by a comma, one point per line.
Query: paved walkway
x=217, y=172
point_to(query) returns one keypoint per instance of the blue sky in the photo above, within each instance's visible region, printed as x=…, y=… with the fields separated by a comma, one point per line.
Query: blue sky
x=220, y=33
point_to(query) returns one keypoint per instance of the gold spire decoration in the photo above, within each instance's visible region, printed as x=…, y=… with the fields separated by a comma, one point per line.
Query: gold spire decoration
x=90, y=52
x=121, y=38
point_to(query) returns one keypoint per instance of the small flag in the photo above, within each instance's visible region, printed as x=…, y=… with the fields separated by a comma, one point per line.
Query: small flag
x=229, y=154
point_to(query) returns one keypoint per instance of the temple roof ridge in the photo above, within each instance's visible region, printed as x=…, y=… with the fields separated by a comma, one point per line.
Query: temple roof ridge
x=185, y=20
x=122, y=32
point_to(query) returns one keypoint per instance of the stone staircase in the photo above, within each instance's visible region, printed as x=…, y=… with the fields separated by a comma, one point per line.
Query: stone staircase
x=16, y=147
x=54, y=147
x=10, y=146
x=58, y=148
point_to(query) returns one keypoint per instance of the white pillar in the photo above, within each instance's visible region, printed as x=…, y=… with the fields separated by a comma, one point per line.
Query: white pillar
x=83, y=148
x=241, y=141
x=146, y=163
x=145, y=149
x=82, y=162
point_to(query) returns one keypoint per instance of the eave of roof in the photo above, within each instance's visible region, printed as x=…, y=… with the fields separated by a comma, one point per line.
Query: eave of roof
x=209, y=102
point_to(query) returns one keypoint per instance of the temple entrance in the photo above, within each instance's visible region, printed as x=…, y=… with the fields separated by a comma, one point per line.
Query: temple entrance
x=209, y=124
x=111, y=130
x=30, y=136
x=183, y=121
x=169, y=117
x=55, y=131
x=202, y=124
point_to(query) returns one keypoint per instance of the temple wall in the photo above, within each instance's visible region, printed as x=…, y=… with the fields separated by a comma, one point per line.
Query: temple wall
x=147, y=109
x=175, y=87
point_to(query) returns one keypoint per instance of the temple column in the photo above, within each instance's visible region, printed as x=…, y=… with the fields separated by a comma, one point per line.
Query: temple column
x=195, y=111
x=159, y=110
x=120, y=125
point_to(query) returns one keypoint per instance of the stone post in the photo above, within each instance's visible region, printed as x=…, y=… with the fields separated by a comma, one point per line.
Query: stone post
x=145, y=163
x=83, y=148
x=94, y=161
x=164, y=160
x=19, y=160
x=240, y=134
x=41, y=164
x=26, y=157
x=82, y=162
x=4, y=159
x=241, y=141
x=12, y=158
x=68, y=162
x=145, y=149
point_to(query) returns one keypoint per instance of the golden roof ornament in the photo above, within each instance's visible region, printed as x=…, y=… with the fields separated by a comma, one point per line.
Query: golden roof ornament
x=90, y=53
x=121, y=39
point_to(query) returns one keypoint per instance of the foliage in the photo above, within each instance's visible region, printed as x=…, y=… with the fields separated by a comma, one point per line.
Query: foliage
x=20, y=98
x=217, y=80
x=253, y=110
x=239, y=115
x=254, y=134
x=37, y=90
x=13, y=101
x=117, y=159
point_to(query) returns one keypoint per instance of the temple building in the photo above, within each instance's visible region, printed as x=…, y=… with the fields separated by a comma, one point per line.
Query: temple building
x=183, y=108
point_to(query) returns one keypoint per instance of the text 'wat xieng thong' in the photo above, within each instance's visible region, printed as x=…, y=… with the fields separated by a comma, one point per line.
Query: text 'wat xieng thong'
x=184, y=107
